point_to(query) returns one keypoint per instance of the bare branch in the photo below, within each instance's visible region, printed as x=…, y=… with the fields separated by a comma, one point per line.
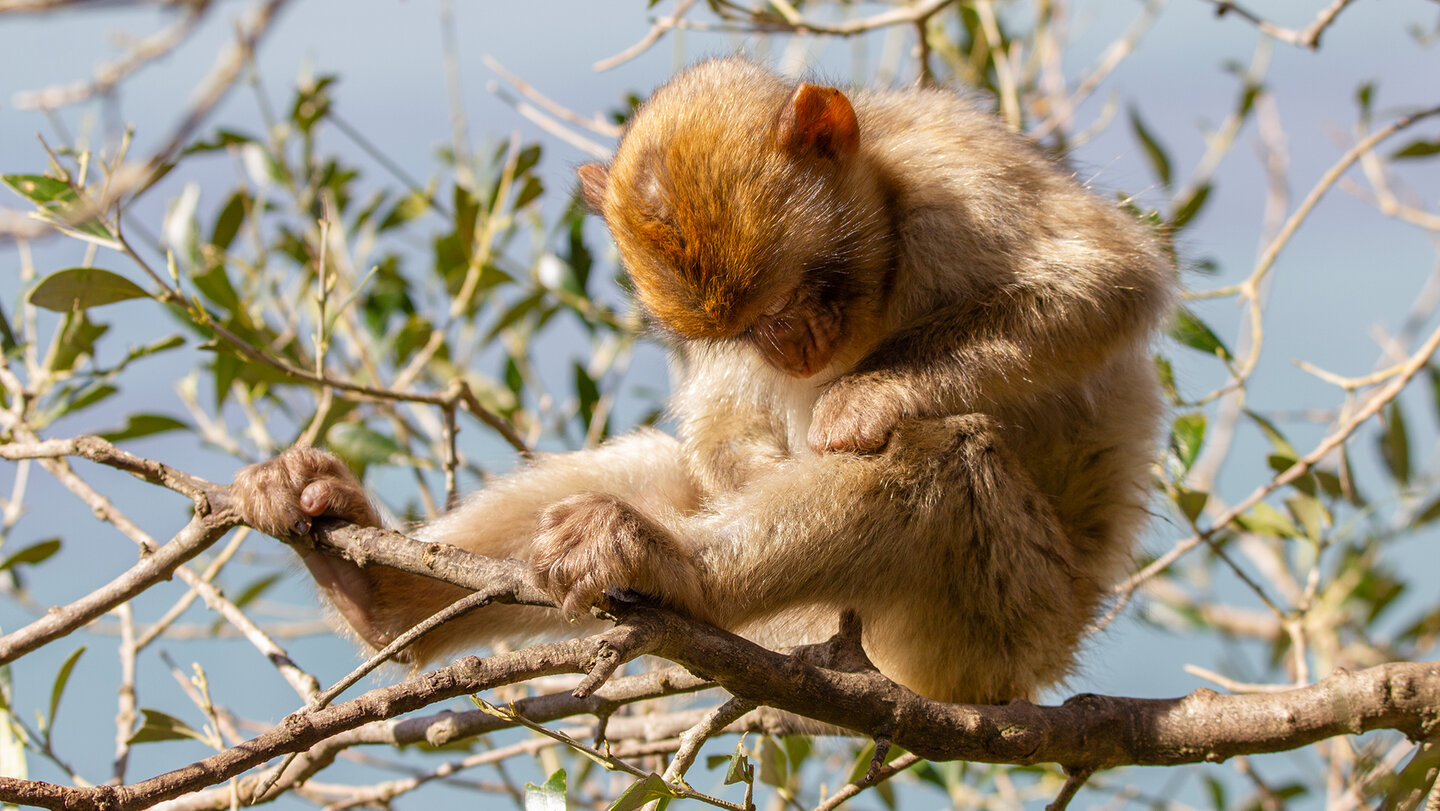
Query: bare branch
x=196, y=537
x=1307, y=37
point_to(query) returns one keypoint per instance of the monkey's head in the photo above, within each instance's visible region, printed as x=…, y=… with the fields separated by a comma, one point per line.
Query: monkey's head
x=744, y=209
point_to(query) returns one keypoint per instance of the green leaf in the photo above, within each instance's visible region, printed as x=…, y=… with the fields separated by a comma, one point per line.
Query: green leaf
x=528, y=158
x=361, y=446
x=1216, y=790
x=1159, y=161
x=7, y=338
x=588, y=394
x=77, y=340
x=408, y=208
x=1330, y=483
x=1427, y=514
x=223, y=140
x=1365, y=97
x=159, y=726
x=1186, y=210
x=81, y=288
x=532, y=189
x=32, y=554
x=1187, y=436
x=774, y=768
x=1280, y=462
x=577, y=255
x=60, y=206
x=138, y=425
x=1419, y=148
x=228, y=223
x=1190, y=502
x=57, y=689
x=519, y=310
x=798, y=748
x=1309, y=513
x=1262, y=519
x=1395, y=444
x=1348, y=481
x=1165, y=371
x=257, y=588
x=214, y=284
x=640, y=792
x=549, y=797
x=1192, y=332
x=741, y=770
x=1278, y=441
x=39, y=189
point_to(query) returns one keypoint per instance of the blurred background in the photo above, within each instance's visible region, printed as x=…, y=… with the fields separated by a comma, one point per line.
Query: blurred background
x=1202, y=118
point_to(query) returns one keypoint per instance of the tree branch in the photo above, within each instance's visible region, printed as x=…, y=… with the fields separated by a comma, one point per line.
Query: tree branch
x=831, y=683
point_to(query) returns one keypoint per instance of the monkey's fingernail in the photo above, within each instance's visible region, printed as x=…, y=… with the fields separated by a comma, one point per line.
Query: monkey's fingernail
x=301, y=526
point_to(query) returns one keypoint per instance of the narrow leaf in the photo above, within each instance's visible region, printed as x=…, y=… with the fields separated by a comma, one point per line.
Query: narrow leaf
x=138, y=425
x=1194, y=333
x=159, y=726
x=7, y=338
x=1395, y=444
x=1262, y=519
x=1159, y=161
x=1186, y=210
x=1310, y=514
x=228, y=223
x=1278, y=441
x=32, y=554
x=57, y=689
x=1427, y=514
x=1417, y=149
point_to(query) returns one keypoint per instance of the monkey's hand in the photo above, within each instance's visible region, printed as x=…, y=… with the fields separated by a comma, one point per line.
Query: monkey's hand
x=855, y=415
x=281, y=496
x=591, y=545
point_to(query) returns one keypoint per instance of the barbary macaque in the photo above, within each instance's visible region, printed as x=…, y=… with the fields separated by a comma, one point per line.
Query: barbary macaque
x=915, y=384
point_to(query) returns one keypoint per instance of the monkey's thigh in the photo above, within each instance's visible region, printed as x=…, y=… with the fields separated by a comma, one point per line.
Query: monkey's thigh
x=964, y=578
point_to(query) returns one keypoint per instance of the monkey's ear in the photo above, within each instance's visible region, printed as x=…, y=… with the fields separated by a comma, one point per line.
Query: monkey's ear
x=593, y=179
x=818, y=121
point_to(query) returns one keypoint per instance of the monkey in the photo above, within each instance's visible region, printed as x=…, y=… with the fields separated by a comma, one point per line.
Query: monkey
x=914, y=383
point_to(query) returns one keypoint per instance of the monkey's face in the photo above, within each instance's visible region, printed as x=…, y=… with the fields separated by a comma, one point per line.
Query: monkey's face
x=760, y=225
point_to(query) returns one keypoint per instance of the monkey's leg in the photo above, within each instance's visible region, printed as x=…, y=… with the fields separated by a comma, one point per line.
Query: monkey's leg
x=379, y=603
x=962, y=575
x=957, y=565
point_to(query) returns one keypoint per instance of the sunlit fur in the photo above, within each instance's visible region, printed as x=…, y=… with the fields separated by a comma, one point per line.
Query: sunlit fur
x=969, y=470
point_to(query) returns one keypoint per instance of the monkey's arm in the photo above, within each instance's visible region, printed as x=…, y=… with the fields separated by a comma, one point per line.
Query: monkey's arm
x=279, y=497
x=1049, y=329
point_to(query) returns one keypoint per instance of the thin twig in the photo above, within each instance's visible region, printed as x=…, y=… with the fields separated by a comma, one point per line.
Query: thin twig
x=1307, y=37
x=871, y=778
x=1073, y=781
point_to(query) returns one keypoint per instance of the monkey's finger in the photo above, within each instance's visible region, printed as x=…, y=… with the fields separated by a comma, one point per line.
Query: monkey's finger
x=338, y=499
